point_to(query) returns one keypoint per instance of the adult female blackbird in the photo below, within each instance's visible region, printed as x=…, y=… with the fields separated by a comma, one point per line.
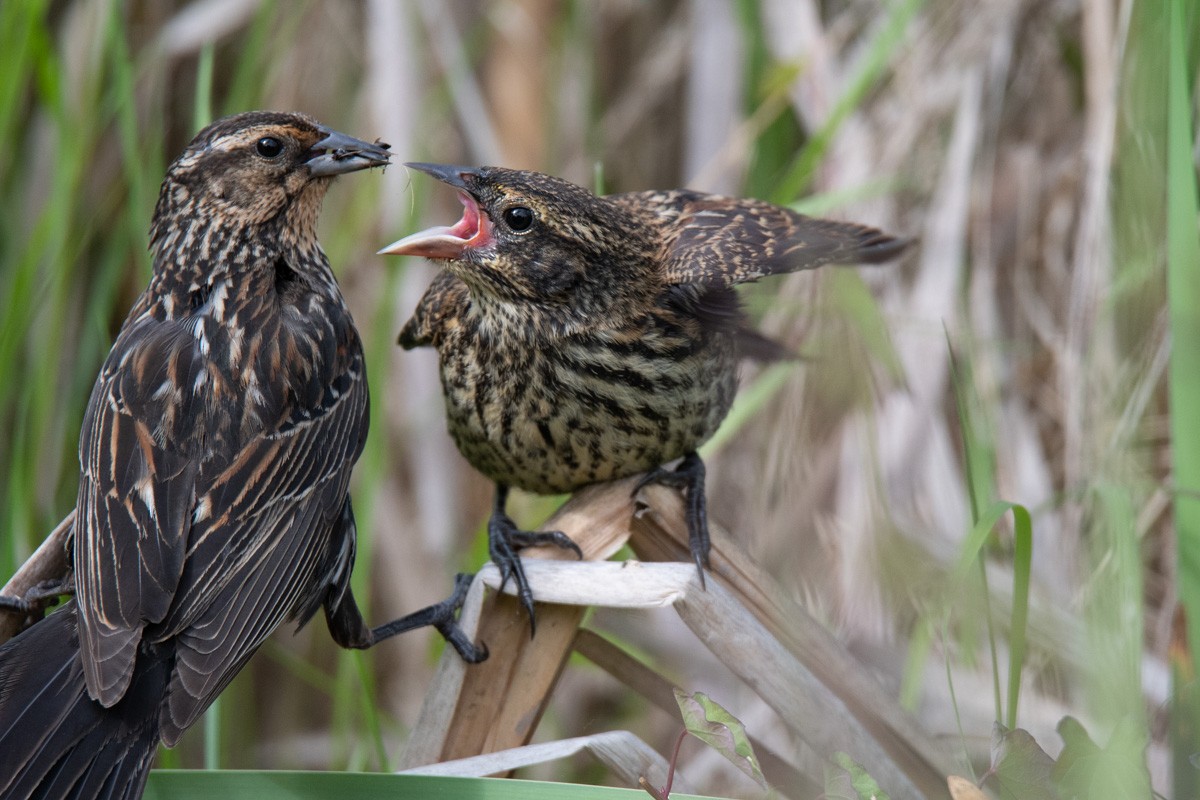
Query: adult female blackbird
x=215, y=456
x=586, y=338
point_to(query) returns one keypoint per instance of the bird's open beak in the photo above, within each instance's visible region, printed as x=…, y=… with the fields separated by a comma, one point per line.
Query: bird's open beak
x=473, y=231
x=337, y=154
x=446, y=173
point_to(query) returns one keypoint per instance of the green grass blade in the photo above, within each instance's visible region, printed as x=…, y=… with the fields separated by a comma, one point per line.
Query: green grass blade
x=212, y=736
x=225, y=785
x=202, y=108
x=878, y=53
x=1183, y=289
x=1019, y=624
x=920, y=644
x=978, y=457
x=972, y=553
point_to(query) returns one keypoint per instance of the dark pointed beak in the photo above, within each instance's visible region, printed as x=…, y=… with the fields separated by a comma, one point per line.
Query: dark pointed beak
x=446, y=173
x=337, y=154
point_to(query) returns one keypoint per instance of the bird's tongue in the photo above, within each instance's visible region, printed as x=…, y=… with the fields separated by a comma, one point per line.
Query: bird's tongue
x=474, y=230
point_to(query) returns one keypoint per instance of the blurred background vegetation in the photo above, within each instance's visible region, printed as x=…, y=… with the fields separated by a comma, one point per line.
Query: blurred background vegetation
x=1025, y=143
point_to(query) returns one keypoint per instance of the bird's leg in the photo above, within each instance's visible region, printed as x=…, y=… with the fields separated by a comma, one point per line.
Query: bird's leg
x=15, y=604
x=349, y=629
x=688, y=476
x=505, y=539
x=32, y=606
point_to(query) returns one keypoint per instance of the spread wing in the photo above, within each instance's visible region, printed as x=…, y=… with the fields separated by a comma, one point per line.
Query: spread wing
x=713, y=243
x=444, y=300
x=720, y=241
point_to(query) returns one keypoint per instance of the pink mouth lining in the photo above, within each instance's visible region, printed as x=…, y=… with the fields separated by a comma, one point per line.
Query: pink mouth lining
x=473, y=231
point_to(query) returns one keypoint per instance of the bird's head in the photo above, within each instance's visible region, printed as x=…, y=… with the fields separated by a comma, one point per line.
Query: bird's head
x=546, y=250
x=252, y=169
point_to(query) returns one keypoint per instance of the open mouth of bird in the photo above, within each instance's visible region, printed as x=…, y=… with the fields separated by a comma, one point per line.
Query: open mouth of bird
x=473, y=231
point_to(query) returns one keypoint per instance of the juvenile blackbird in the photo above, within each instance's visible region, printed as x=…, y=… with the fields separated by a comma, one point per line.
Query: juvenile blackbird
x=584, y=338
x=215, y=457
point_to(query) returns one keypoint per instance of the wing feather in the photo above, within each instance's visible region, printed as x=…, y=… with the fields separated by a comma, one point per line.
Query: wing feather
x=722, y=241
x=133, y=504
x=268, y=549
x=713, y=243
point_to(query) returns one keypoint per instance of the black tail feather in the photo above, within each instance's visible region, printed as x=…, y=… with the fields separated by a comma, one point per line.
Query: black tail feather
x=877, y=247
x=55, y=741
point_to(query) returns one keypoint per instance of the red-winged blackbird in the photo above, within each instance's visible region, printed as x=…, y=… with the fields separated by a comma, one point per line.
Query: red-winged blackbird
x=586, y=338
x=216, y=452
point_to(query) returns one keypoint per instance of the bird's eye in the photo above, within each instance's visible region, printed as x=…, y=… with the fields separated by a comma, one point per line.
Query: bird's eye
x=518, y=218
x=268, y=147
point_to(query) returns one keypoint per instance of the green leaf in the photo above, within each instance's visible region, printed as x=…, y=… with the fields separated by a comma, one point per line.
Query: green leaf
x=851, y=781
x=259, y=785
x=1085, y=770
x=720, y=730
x=1020, y=766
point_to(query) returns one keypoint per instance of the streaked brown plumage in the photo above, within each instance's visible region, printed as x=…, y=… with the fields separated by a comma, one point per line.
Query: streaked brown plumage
x=215, y=458
x=586, y=338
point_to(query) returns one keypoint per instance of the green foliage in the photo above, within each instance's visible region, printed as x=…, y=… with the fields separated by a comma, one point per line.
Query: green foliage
x=880, y=53
x=1086, y=770
x=720, y=730
x=1021, y=769
x=1183, y=273
x=63, y=251
x=189, y=784
x=846, y=779
x=979, y=460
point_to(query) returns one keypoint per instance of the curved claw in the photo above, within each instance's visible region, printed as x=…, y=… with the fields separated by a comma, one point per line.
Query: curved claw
x=446, y=621
x=467, y=650
x=505, y=539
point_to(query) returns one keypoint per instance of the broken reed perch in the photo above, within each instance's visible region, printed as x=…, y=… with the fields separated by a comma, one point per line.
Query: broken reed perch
x=497, y=705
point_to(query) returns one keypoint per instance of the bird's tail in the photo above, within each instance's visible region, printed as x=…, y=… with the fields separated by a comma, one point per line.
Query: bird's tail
x=55, y=741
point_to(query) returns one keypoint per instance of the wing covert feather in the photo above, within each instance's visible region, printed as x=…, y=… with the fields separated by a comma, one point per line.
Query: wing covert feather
x=722, y=241
x=133, y=505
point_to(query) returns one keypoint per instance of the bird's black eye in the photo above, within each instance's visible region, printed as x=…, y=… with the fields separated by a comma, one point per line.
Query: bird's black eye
x=518, y=218
x=268, y=147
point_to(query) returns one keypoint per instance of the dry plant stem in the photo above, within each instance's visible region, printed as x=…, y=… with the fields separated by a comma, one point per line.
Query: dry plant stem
x=658, y=690
x=48, y=563
x=499, y=703
x=660, y=534
x=742, y=617
x=748, y=650
x=625, y=755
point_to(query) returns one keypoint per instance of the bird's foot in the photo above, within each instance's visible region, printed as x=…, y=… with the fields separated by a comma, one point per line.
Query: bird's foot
x=506, y=540
x=444, y=617
x=688, y=476
x=445, y=620
x=39, y=596
x=15, y=604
